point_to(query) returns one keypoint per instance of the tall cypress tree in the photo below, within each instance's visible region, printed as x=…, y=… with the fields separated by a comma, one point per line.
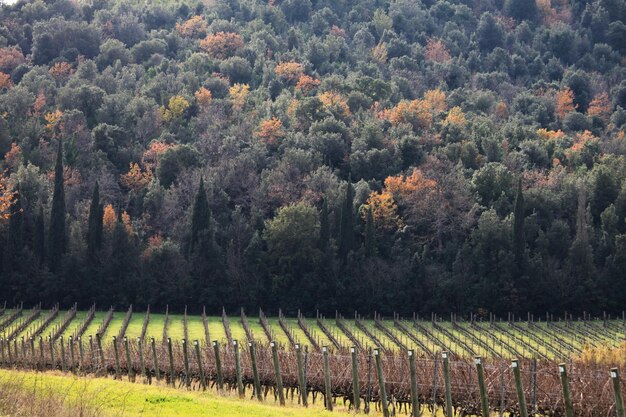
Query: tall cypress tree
x=56, y=235
x=370, y=234
x=346, y=226
x=94, y=231
x=39, y=239
x=200, y=220
x=324, y=227
x=518, y=228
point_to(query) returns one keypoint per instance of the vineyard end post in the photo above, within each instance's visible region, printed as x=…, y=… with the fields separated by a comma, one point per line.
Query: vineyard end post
x=328, y=389
x=446, y=382
x=482, y=387
x=415, y=407
x=567, y=398
x=619, y=399
x=356, y=390
x=381, y=383
x=255, y=371
x=523, y=410
x=279, y=378
x=303, y=390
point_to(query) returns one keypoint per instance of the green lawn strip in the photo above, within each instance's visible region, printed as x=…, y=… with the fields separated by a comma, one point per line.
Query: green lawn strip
x=114, y=327
x=279, y=334
x=53, y=325
x=74, y=324
x=176, y=330
x=195, y=328
x=257, y=330
x=155, y=326
x=133, y=331
x=298, y=333
x=34, y=325
x=216, y=329
x=236, y=330
x=120, y=398
x=95, y=324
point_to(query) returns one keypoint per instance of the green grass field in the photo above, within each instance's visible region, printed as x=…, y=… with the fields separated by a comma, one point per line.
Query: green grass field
x=109, y=398
x=551, y=341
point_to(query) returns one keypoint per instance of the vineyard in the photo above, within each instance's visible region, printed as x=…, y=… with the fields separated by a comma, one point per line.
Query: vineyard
x=391, y=364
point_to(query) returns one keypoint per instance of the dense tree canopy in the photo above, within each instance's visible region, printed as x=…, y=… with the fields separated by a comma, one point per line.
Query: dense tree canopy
x=388, y=155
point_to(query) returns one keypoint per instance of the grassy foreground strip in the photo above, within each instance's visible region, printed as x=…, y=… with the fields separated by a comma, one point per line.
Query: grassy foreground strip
x=29, y=393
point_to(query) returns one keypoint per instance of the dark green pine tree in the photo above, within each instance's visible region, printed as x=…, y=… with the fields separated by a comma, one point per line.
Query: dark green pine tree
x=94, y=230
x=56, y=235
x=346, y=226
x=200, y=221
x=324, y=227
x=519, y=245
x=370, y=234
x=39, y=238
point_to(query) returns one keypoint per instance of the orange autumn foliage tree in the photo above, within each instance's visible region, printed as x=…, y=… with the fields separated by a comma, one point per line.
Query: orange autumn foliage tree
x=564, y=102
x=546, y=134
x=7, y=197
x=436, y=99
x=136, y=178
x=150, y=158
x=307, y=83
x=417, y=113
x=380, y=53
x=53, y=119
x=11, y=58
x=270, y=131
x=128, y=225
x=455, y=117
x=40, y=102
x=109, y=218
x=221, y=45
x=436, y=51
x=203, y=97
x=194, y=27
x=5, y=81
x=600, y=107
x=403, y=186
x=289, y=71
x=13, y=157
x=384, y=211
x=334, y=101
x=61, y=71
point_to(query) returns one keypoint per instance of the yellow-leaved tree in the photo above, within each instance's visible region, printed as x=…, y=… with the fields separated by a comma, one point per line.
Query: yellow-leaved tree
x=238, y=94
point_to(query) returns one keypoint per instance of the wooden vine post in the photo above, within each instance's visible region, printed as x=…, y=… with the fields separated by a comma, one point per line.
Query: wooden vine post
x=567, y=397
x=72, y=358
x=155, y=359
x=218, y=365
x=170, y=355
x=381, y=383
x=63, y=364
x=415, y=408
x=240, y=390
x=521, y=398
x=619, y=399
x=100, y=352
x=301, y=380
x=481, y=385
x=255, y=371
x=142, y=363
x=328, y=393
x=356, y=389
x=199, y=360
x=129, y=364
x=446, y=383
x=117, y=358
x=81, y=354
x=32, y=353
x=186, y=363
x=277, y=375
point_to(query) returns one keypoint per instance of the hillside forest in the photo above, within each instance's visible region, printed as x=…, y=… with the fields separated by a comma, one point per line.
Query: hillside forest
x=378, y=155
